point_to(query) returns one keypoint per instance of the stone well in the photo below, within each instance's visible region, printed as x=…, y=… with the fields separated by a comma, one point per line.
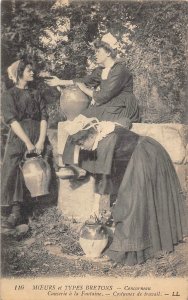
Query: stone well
x=77, y=200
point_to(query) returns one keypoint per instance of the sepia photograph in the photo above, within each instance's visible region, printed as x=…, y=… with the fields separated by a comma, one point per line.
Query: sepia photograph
x=94, y=149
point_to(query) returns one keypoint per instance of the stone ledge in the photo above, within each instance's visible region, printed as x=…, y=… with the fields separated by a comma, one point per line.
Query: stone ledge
x=173, y=137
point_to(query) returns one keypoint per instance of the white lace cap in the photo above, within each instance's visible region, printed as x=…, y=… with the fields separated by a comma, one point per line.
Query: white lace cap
x=80, y=123
x=12, y=71
x=110, y=40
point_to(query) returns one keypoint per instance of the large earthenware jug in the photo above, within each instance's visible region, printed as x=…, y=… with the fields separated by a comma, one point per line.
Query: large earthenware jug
x=36, y=172
x=93, y=238
x=73, y=101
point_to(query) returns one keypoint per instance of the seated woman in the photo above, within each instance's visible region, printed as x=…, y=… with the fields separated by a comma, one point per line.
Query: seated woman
x=149, y=211
x=24, y=111
x=113, y=98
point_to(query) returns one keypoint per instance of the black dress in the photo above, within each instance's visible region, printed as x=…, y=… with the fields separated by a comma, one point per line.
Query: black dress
x=114, y=101
x=149, y=212
x=28, y=108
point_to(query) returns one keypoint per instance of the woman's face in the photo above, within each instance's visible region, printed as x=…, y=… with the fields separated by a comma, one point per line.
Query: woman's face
x=101, y=55
x=88, y=143
x=28, y=73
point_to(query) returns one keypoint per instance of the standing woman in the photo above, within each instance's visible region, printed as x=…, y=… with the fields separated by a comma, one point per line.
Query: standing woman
x=112, y=96
x=24, y=111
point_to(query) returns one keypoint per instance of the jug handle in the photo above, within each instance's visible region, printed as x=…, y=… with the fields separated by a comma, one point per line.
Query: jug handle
x=26, y=154
x=95, y=217
x=25, y=158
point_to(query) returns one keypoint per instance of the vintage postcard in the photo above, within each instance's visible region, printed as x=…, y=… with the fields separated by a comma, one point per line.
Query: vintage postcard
x=94, y=165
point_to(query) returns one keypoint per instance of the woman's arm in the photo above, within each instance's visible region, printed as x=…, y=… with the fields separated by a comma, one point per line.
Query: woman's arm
x=10, y=115
x=55, y=81
x=111, y=87
x=117, y=80
x=43, y=130
x=85, y=89
x=18, y=130
x=92, y=80
x=43, y=123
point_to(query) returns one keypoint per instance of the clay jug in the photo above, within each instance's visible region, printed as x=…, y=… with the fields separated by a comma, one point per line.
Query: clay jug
x=93, y=239
x=73, y=101
x=37, y=174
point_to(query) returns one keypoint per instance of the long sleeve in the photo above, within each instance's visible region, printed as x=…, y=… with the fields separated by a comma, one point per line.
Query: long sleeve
x=92, y=80
x=118, y=79
x=42, y=107
x=8, y=108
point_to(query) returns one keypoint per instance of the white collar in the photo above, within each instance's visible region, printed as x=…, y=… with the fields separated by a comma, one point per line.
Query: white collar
x=104, y=128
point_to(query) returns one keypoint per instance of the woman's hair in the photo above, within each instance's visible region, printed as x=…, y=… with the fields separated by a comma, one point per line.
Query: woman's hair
x=100, y=44
x=82, y=135
x=24, y=62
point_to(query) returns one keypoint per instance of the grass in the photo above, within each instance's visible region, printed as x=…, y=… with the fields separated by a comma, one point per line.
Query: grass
x=51, y=248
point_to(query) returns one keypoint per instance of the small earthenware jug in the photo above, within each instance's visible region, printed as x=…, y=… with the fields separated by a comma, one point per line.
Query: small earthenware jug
x=73, y=101
x=93, y=238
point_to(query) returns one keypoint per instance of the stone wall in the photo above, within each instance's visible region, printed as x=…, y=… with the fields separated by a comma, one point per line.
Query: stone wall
x=174, y=138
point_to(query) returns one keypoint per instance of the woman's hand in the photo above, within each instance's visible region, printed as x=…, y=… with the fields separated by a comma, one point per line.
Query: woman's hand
x=39, y=146
x=55, y=81
x=85, y=89
x=30, y=147
x=92, y=102
x=81, y=86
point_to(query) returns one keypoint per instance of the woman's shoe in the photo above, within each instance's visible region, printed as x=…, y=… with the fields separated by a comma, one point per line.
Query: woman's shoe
x=12, y=221
x=65, y=173
x=79, y=172
x=14, y=218
x=71, y=171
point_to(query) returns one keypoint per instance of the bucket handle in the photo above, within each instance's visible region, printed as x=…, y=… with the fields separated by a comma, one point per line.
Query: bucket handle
x=33, y=152
x=25, y=157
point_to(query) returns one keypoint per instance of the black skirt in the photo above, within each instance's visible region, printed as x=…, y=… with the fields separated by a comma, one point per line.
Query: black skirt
x=12, y=182
x=149, y=212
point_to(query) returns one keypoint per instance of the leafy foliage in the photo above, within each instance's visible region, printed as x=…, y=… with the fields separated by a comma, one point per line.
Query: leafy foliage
x=151, y=35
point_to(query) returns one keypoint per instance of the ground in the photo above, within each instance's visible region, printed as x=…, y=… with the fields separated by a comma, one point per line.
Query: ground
x=51, y=248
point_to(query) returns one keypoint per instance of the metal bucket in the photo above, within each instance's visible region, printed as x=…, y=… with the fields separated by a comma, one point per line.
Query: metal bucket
x=37, y=174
